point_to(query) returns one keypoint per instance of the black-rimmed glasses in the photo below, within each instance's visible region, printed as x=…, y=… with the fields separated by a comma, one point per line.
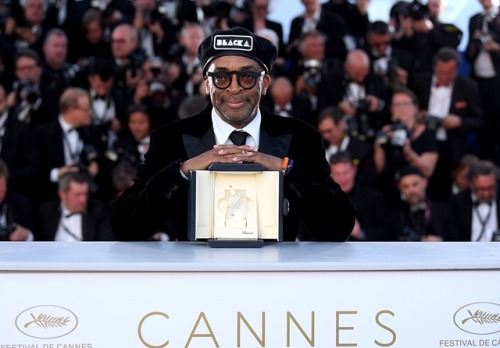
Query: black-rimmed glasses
x=246, y=79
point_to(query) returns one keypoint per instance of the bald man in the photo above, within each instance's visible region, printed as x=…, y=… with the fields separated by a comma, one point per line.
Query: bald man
x=357, y=92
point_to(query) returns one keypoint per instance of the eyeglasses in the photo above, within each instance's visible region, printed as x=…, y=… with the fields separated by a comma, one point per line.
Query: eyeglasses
x=401, y=104
x=246, y=79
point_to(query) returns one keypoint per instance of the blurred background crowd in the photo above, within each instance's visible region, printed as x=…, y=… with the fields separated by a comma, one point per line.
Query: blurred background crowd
x=410, y=135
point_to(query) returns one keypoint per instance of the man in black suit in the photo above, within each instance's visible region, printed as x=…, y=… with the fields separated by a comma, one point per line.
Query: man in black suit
x=15, y=148
x=71, y=144
x=372, y=223
x=483, y=52
x=416, y=218
x=283, y=100
x=17, y=217
x=358, y=93
x=332, y=126
x=315, y=18
x=393, y=64
x=452, y=103
x=475, y=213
x=74, y=216
x=236, y=66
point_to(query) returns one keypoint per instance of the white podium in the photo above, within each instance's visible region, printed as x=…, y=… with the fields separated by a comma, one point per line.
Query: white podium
x=127, y=295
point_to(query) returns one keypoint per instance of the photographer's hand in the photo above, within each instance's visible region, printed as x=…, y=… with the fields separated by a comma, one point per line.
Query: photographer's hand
x=93, y=169
x=346, y=107
x=20, y=234
x=156, y=28
x=141, y=91
x=375, y=104
x=138, y=19
x=451, y=121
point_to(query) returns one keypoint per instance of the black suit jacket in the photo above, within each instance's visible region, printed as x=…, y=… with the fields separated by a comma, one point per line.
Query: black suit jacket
x=17, y=152
x=474, y=46
x=301, y=107
x=465, y=103
x=319, y=210
x=20, y=210
x=331, y=25
x=95, y=221
x=49, y=149
x=459, y=222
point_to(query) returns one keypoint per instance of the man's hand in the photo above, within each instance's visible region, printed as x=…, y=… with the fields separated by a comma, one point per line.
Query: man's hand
x=451, y=121
x=20, y=234
x=231, y=154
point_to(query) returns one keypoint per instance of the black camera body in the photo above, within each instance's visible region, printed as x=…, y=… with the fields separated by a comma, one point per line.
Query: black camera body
x=409, y=235
x=26, y=90
x=312, y=72
x=432, y=122
x=417, y=10
x=5, y=231
x=397, y=136
x=359, y=125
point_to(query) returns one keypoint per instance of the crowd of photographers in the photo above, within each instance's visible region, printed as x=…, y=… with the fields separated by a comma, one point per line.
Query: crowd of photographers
x=387, y=96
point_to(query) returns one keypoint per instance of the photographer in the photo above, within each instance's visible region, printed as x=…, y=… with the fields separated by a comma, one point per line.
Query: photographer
x=475, y=213
x=153, y=91
x=454, y=101
x=423, y=37
x=416, y=218
x=185, y=75
x=71, y=144
x=404, y=142
x=393, y=64
x=128, y=58
x=155, y=31
x=108, y=107
x=310, y=75
x=58, y=74
x=483, y=52
x=359, y=94
x=28, y=99
x=17, y=218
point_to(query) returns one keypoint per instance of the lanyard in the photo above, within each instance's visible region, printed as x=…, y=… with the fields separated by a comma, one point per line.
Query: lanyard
x=74, y=154
x=67, y=230
x=482, y=221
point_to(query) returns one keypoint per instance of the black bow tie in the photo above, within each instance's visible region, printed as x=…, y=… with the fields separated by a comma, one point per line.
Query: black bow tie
x=477, y=203
x=99, y=97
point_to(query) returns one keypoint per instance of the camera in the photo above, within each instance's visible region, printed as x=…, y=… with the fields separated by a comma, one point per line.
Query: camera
x=88, y=155
x=26, y=90
x=409, y=235
x=432, y=123
x=397, y=136
x=417, y=10
x=5, y=231
x=496, y=236
x=156, y=86
x=359, y=125
x=312, y=72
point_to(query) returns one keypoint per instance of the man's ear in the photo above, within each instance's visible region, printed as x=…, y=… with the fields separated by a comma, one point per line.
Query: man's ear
x=266, y=82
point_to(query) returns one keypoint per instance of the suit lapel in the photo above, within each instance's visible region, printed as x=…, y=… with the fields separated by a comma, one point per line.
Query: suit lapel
x=277, y=146
x=195, y=146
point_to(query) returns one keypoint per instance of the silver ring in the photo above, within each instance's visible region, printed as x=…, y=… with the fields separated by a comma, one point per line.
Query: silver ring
x=243, y=151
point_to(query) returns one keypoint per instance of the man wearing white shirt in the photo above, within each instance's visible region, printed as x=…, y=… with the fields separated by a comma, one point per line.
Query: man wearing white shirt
x=475, y=212
x=74, y=217
x=483, y=52
x=454, y=102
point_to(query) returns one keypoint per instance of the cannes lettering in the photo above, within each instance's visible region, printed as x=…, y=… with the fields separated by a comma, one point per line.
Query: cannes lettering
x=202, y=332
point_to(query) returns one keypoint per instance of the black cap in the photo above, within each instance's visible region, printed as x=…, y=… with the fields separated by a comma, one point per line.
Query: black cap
x=409, y=170
x=237, y=42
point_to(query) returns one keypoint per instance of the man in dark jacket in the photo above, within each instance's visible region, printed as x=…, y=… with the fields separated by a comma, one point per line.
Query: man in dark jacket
x=236, y=66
